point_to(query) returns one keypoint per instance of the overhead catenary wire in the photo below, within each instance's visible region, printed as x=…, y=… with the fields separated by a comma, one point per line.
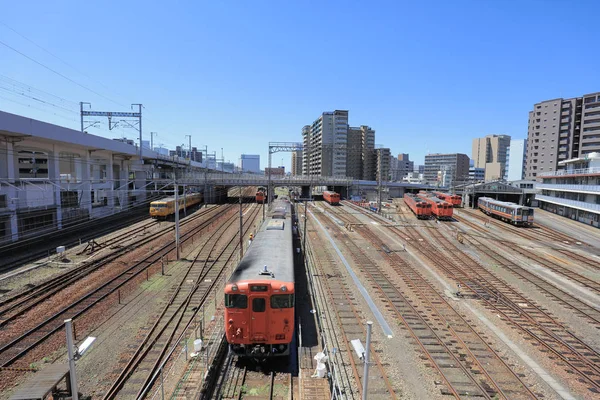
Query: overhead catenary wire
x=58, y=73
x=61, y=60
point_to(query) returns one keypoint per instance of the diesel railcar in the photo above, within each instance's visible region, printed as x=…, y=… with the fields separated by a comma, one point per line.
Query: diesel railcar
x=332, y=198
x=420, y=207
x=163, y=209
x=260, y=294
x=453, y=199
x=441, y=209
x=260, y=197
x=506, y=211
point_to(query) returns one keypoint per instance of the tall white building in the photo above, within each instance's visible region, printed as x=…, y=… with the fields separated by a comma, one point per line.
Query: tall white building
x=250, y=163
x=515, y=160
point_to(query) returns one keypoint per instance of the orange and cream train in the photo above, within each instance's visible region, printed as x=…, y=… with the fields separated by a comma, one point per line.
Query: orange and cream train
x=260, y=294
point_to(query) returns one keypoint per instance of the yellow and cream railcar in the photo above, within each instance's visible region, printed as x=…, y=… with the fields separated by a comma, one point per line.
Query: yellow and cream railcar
x=163, y=209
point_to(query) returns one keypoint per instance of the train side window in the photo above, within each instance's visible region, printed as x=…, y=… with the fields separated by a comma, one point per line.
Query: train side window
x=236, y=301
x=282, y=301
x=258, y=304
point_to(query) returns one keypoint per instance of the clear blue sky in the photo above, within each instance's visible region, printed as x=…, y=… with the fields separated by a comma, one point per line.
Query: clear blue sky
x=427, y=77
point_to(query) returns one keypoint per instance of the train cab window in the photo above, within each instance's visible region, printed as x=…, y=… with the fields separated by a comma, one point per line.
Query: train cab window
x=282, y=301
x=236, y=301
x=258, y=304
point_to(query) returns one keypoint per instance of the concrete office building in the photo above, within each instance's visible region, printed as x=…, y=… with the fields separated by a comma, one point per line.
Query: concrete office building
x=400, y=167
x=574, y=190
x=560, y=130
x=476, y=175
x=515, y=160
x=297, y=162
x=456, y=163
x=250, y=163
x=490, y=153
x=325, y=144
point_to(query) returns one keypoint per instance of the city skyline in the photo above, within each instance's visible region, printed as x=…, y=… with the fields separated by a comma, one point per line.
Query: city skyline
x=253, y=70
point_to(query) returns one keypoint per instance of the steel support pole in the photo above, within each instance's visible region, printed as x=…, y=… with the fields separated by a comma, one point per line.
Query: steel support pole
x=177, y=221
x=305, y=219
x=269, y=194
x=140, y=106
x=81, y=114
x=71, y=353
x=241, y=227
x=367, y=359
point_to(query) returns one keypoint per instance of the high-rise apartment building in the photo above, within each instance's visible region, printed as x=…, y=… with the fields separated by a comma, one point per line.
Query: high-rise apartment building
x=250, y=163
x=456, y=165
x=490, y=153
x=325, y=144
x=360, y=157
x=562, y=129
x=383, y=164
x=515, y=160
x=297, y=162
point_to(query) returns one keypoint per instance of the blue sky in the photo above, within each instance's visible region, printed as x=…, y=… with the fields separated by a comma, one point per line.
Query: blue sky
x=235, y=75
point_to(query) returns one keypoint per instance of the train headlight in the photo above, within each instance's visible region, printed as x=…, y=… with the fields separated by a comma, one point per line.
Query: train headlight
x=234, y=288
x=284, y=288
x=230, y=322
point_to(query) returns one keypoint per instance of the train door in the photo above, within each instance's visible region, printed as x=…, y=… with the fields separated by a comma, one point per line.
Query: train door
x=260, y=321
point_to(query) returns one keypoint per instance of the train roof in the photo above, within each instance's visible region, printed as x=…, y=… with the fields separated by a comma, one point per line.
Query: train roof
x=272, y=246
x=173, y=198
x=501, y=203
x=435, y=199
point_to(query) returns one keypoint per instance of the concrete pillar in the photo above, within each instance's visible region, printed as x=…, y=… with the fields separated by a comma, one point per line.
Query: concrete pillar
x=110, y=179
x=86, y=183
x=11, y=194
x=124, y=191
x=54, y=176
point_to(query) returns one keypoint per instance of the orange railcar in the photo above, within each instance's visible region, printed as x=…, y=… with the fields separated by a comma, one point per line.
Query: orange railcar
x=453, y=199
x=439, y=208
x=260, y=196
x=420, y=207
x=260, y=294
x=332, y=198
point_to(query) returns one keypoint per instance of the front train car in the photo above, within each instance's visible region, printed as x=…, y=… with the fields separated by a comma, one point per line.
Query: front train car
x=260, y=295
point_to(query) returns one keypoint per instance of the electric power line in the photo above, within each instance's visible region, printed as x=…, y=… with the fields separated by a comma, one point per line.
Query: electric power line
x=59, y=74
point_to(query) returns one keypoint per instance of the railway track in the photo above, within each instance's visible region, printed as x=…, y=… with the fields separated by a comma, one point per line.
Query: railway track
x=205, y=271
x=17, y=346
x=41, y=245
x=16, y=305
x=548, y=289
x=522, y=313
x=536, y=233
x=462, y=356
x=244, y=379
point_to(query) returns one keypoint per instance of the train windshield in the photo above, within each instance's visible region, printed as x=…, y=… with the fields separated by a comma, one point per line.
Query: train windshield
x=163, y=205
x=236, y=301
x=282, y=301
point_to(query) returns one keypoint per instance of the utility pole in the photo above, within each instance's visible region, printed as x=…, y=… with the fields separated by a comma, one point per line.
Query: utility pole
x=304, y=233
x=140, y=128
x=379, y=165
x=177, y=220
x=70, y=351
x=206, y=176
x=241, y=227
x=367, y=360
